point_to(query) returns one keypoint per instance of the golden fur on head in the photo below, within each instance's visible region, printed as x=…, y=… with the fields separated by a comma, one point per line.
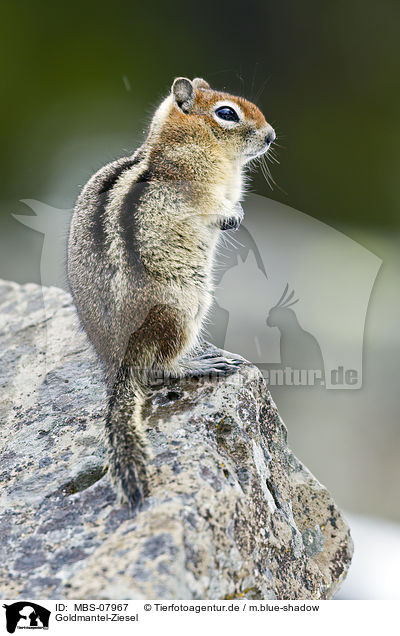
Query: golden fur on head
x=190, y=115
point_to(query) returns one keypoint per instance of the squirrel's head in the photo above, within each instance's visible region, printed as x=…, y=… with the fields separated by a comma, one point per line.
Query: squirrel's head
x=197, y=112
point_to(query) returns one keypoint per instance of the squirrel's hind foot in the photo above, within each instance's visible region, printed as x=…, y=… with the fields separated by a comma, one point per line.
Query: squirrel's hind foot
x=211, y=364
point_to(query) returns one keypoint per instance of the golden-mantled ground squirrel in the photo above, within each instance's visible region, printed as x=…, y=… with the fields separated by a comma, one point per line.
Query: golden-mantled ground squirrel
x=141, y=249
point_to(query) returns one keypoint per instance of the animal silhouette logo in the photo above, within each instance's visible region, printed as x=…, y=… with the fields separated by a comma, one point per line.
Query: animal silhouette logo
x=299, y=349
x=230, y=325
x=26, y=615
x=277, y=246
x=323, y=328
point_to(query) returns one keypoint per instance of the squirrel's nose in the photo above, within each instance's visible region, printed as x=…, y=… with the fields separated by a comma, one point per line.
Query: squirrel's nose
x=270, y=137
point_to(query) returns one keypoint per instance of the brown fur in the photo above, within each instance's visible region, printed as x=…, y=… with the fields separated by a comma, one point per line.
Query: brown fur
x=163, y=327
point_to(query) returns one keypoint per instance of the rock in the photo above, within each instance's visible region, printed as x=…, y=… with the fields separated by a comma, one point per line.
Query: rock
x=232, y=513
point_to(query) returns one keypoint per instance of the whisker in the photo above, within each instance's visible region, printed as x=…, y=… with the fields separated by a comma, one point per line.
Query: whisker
x=271, y=157
x=262, y=88
x=270, y=178
x=266, y=173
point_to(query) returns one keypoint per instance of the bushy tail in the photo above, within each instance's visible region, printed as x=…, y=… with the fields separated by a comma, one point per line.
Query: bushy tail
x=127, y=450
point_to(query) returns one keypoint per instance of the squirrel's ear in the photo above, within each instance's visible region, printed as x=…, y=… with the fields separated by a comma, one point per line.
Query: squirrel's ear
x=199, y=82
x=183, y=93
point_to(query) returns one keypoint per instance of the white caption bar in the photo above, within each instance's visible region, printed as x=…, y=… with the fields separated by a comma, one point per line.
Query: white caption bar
x=177, y=617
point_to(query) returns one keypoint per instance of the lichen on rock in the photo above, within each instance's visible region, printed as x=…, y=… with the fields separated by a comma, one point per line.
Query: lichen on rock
x=232, y=513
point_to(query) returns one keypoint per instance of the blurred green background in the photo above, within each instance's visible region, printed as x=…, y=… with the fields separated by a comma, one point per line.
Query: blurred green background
x=79, y=83
x=79, y=80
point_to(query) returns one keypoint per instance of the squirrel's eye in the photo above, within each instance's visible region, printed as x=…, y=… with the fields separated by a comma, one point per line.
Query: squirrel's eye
x=227, y=113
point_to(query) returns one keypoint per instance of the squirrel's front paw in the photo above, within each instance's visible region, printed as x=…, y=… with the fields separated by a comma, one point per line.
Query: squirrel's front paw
x=233, y=222
x=230, y=224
